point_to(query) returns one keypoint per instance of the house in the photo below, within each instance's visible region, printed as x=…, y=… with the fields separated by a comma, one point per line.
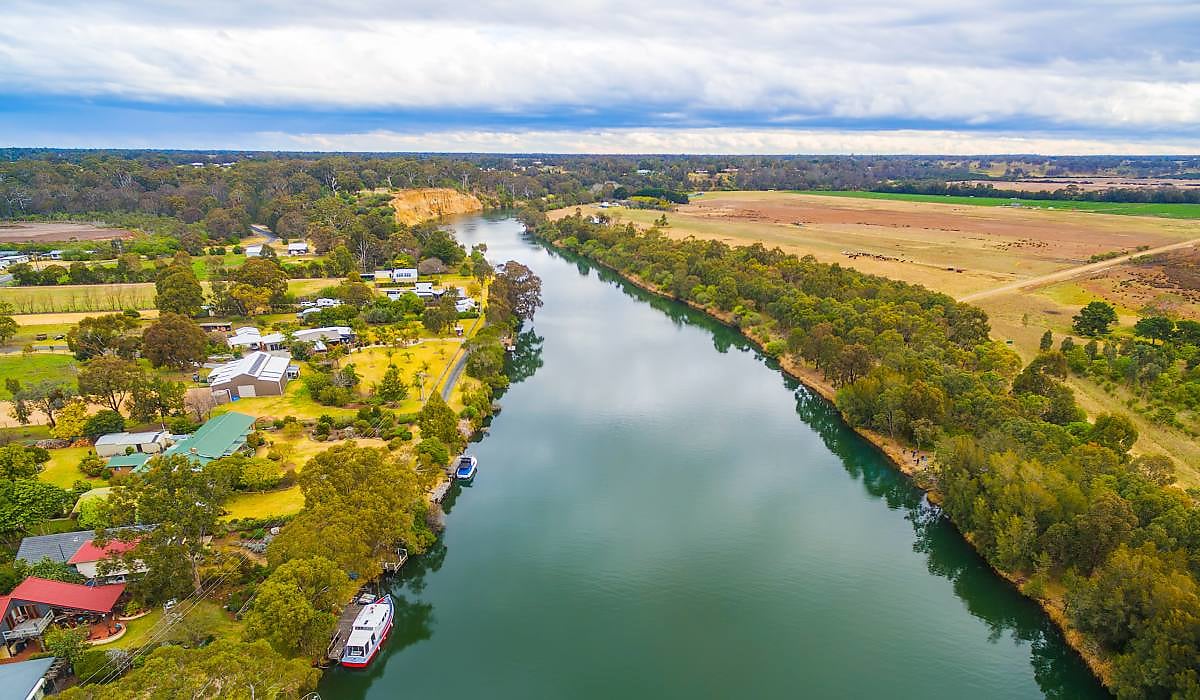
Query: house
x=299, y=248
x=464, y=305
x=332, y=334
x=86, y=561
x=426, y=291
x=220, y=437
x=253, y=251
x=124, y=464
x=257, y=374
x=121, y=443
x=36, y=603
x=404, y=274
x=396, y=292
x=59, y=547
x=26, y=680
x=55, y=254
x=250, y=338
x=12, y=258
x=383, y=276
x=211, y=326
x=327, y=303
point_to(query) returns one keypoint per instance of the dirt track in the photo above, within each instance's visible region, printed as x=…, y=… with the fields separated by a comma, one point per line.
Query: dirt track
x=1063, y=275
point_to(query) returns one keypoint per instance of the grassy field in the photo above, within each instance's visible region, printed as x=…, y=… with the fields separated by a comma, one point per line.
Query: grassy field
x=76, y=298
x=206, y=614
x=1172, y=211
x=63, y=468
x=35, y=367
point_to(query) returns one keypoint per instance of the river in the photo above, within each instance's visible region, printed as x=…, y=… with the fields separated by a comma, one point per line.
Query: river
x=660, y=513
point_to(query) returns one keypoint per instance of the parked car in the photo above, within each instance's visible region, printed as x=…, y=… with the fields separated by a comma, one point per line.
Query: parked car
x=40, y=336
x=60, y=336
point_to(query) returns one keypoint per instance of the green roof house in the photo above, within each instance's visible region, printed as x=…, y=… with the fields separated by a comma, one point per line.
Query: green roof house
x=219, y=437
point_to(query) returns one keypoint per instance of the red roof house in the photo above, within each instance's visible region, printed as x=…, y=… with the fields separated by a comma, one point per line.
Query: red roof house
x=36, y=603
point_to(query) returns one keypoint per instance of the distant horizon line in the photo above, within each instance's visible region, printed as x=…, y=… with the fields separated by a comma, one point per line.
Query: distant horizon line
x=563, y=154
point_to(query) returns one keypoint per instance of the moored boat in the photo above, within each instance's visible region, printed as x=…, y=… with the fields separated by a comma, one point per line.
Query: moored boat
x=465, y=468
x=370, y=630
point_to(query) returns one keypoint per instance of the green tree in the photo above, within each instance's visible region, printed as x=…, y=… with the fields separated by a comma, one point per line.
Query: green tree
x=1157, y=469
x=436, y=419
x=226, y=670
x=179, y=292
x=1094, y=319
x=16, y=462
x=185, y=504
x=50, y=569
x=103, y=422
x=72, y=420
x=155, y=398
x=108, y=380
x=295, y=608
x=515, y=295
x=1114, y=431
x=111, y=334
x=46, y=396
x=67, y=643
x=355, y=529
x=438, y=317
x=8, y=325
x=1157, y=328
x=174, y=341
x=391, y=388
x=1046, y=342
x=28, y=502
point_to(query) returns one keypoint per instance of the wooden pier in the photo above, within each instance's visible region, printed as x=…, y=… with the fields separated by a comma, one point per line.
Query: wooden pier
x=393, y=567
x=345, y=625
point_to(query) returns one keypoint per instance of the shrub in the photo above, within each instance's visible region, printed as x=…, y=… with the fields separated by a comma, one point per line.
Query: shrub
x=93, y=465
x=181, y=425
x=103, y=423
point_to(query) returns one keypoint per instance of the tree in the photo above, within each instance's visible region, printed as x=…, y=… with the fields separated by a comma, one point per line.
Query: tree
x=103, y=423
x=174, y=341
x=17, y=462
x=67, y=643
x=71, y=420
x=45, y=396
x=515, y=295
x=108, y=380
x=155, y=398
x=1046, y=342
x=1114, y=431
x=1094, y=319
x=50, y=569
x=179, y=292
x=8, y=325
x=436, y=419
x=28, y=502
x=1157, y=469
x=185, y=503
x=224, y=669
x=294, y=609
x=355, y=530
x=437, y=318
x=110, y=334
x=1157, y=328
x=391, y=388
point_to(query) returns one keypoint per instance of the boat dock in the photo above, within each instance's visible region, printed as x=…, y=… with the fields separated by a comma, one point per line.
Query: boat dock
x=345, y=625
x=393, y=567
x=439, y=492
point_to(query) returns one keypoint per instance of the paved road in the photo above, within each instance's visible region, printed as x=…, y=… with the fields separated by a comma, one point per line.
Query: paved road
x=1073, y=272
x=264, y=232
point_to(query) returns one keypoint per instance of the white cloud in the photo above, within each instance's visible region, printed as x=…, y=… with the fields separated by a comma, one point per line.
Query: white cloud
x=1074, y=64
x=719, y=141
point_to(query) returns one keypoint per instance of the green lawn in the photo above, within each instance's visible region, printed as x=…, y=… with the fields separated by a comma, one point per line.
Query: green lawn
x=206, y=614
x=1173, y=211
x=63, y=468
x=35, y=367
x=264, y=504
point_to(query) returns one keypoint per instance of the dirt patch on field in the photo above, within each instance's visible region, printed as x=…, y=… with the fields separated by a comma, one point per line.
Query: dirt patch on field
x=1168, y=283
x=51, y=232
x=417, y=205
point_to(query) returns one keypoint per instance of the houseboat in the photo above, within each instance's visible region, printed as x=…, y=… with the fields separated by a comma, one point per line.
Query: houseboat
x=465, y=468
x=371, y=628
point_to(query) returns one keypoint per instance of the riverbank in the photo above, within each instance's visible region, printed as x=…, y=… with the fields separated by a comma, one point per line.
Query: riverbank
x=899, y=456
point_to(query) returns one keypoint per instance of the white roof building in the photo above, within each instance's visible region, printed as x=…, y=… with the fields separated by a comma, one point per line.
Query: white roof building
x=337, y=334
x=252, y=338
x=117, y=443
x=256, y=374
x=299, y=248
x=254, y=251
x=326, y=302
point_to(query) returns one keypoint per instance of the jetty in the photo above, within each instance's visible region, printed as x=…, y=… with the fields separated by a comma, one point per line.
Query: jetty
x=393, y=567
x=345, y=625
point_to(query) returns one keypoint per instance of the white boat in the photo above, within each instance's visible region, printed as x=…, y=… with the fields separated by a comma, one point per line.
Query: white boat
x=465, y=468
x=371, y=629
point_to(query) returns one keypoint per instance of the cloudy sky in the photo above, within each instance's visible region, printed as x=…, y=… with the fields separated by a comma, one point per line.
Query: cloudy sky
x=632, y=76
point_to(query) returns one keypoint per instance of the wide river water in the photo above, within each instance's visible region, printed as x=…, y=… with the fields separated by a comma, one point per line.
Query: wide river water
x=659, y=513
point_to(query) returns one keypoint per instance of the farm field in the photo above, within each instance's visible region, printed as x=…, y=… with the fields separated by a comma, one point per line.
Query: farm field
x=1090, y=183
x=51, y=231
x=954, y=248
x=916, y=241
x=34, y=368
x=85, y=298
x=1174, y=211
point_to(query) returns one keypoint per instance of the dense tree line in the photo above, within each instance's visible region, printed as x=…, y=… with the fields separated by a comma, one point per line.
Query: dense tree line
x=1045, y=495
x=1149, y=195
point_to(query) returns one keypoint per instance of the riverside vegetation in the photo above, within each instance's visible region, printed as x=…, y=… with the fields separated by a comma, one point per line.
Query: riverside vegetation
x=1055, y=502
